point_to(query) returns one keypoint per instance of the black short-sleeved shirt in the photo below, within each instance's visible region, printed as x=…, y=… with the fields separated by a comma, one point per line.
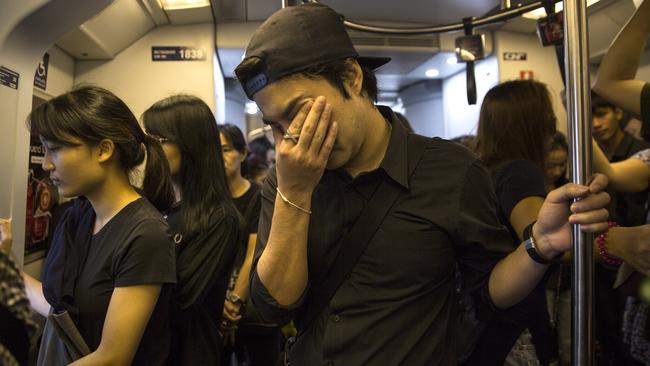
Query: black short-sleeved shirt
x=249, y=206
x=249, y=209
x=628, y=209
x=133, y=248
x=204, y=263
x=398, y=306
x=514, y=181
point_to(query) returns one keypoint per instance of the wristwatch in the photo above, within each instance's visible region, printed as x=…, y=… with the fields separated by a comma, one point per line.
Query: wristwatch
x=531, y=247
x=235, y=299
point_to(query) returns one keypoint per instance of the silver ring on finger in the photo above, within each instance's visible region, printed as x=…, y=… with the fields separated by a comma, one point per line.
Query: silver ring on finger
x=291, y=136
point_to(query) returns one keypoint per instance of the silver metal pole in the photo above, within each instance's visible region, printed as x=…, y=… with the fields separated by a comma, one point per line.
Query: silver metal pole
x=579, y=128
x=286, y=3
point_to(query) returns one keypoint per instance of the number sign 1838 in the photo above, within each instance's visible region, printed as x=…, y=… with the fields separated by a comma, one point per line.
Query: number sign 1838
x=175, y=53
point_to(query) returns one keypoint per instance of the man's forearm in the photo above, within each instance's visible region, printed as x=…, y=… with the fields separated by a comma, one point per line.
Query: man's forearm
x=282, y=267
x=514, y=277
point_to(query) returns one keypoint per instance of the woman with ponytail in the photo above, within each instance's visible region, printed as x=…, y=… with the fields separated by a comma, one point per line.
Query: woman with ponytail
x=204, y=223
x=111, y=256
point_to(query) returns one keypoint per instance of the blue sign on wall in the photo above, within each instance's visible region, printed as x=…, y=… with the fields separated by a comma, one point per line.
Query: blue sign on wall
x=9, y=78
x=175, y=53
x=40, y=78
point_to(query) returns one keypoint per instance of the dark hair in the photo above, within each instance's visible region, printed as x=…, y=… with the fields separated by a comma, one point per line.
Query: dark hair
x=236, y=139
x=598, y=102
x=257, y=165
x=92, y=114
x=600, y=105
x=335, y=72
x=559, y=142
x=515, y=122
x=260, y=146
x=188, y=122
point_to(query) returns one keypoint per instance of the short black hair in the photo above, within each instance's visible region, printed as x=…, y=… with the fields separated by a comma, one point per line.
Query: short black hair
x=598, y=102
x=335, y=72
x=235, y=137
x=260, y=146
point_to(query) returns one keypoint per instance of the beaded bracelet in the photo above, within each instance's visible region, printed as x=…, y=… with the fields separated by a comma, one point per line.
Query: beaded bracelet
x=286, y=200
x=602, y=250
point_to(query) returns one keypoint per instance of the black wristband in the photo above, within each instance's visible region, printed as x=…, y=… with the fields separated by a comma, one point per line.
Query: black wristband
x=531, y=247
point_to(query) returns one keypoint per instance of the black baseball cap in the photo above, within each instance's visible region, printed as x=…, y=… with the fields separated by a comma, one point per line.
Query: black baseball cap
x=295, y=38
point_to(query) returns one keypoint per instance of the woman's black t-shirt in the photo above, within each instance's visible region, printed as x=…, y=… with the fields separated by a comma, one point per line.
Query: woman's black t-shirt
x=249, y=209
x=133, y=248
x=514, y=181
x=204, y=263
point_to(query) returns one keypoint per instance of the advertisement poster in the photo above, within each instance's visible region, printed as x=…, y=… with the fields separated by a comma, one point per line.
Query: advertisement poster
x=42, y=197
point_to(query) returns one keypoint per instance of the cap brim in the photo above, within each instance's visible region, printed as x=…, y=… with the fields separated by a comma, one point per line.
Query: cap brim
x=373, y=62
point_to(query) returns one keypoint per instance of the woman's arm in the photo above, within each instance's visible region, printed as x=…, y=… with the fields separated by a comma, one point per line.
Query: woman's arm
x=615, y=80
x=631, y=244
x=514, y=277
x=631, y=175
x=126, y=319
x=34, y=290
x=6, y=237
x=524, y=213
x=33, y=287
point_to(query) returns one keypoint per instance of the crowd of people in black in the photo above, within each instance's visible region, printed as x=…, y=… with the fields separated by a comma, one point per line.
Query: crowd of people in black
x=349, y=241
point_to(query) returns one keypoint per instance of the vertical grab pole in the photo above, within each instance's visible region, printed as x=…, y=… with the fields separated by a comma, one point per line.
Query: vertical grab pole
x=286, y=3
x=578, y=100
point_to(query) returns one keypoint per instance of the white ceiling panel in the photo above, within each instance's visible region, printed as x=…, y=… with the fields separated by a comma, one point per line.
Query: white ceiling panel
x=109, y=32
x=190, y=16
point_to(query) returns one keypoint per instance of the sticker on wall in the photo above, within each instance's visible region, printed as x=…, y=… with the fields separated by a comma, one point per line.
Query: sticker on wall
x=176, y=53
x=526, y=75
x=515, y=56
x=9, y=78
x=40, y=77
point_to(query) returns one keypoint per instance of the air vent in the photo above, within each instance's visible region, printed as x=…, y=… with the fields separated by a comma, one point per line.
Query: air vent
x=379, y=41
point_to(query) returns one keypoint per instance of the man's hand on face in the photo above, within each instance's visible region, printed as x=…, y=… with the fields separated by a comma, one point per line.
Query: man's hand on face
x=552, y=231
x=302, y=153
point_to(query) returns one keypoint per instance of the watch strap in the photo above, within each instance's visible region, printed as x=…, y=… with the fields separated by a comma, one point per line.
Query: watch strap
x=531, y=247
